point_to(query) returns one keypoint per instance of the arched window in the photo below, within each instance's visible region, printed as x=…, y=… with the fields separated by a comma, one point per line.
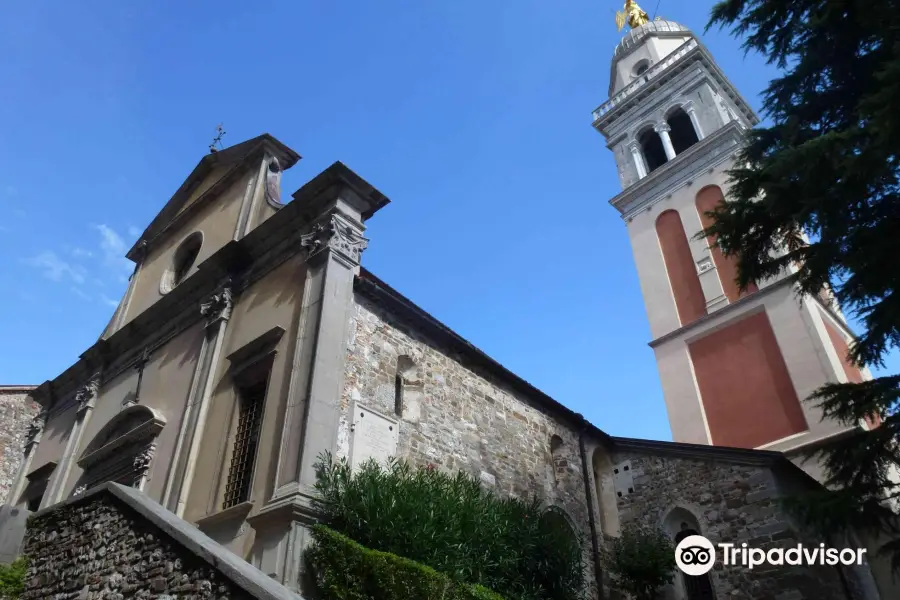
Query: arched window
x=652, y=147
x=406, y=384
x=122, y=450
x=682, y=130
x=681, y=523
x=557, y=458
x=683, y=278
x=707, y=200
x=606, y=492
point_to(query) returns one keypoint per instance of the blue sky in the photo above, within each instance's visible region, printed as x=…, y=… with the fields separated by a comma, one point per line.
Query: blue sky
x=473, y=117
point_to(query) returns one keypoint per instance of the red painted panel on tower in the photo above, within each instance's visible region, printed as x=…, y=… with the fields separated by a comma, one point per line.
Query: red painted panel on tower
x=853, y=373
x=689, y=299
x=745, y=386
x=707, y=200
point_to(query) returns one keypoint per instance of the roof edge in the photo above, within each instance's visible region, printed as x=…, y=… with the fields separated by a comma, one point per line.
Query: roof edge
x=377, y=290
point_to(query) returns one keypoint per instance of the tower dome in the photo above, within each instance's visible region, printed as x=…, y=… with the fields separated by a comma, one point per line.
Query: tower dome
x=635, y=36
x=642, y=47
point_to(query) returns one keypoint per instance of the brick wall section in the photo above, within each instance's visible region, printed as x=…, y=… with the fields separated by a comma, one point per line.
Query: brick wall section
x=461, y=420
x=100, y=548
x=16, y=413
x=733, y=503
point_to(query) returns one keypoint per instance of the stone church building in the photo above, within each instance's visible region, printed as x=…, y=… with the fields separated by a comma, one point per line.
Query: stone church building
x=251, y=340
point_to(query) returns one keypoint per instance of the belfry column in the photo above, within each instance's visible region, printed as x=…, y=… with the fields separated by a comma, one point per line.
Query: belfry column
x=334, y=245
x=663, y=130
x=638, y=159
x=692, y=115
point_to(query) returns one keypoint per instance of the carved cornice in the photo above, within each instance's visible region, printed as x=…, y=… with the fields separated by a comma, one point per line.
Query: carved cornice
x=218, y=306
x=337, y=234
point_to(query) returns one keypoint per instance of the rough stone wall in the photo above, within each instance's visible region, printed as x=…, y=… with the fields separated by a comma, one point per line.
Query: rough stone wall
x=732, y=503
x=16, y=413
x=459, y=420
x=100, y=548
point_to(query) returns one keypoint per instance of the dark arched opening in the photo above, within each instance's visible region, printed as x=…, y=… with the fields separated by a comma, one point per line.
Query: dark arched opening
x=682, y=130
x=652, y=147
x=696, y=587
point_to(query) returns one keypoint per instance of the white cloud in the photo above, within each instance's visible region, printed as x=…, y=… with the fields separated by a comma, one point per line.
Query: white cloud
x=108, y=301
x=56, y=269
x=134, y=231
x=80, y=293
x=81, y=253
x=113, y=248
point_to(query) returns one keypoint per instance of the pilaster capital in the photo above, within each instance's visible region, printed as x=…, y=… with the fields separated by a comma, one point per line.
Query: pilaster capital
x=218, y=306
x=688, y=106
x=634, y=146
x=336, y=233
x=86, y=396
x=36, y=429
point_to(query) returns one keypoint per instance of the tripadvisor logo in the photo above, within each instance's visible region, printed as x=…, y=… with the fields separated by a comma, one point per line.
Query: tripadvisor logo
x=695, y=555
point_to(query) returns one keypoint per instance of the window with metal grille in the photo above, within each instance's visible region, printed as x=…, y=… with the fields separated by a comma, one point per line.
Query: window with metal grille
x=246, y=442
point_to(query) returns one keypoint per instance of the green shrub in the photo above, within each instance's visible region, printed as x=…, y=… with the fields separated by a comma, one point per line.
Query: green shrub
x=641, y=561
x=454, y=526
x=12, y=578
x=345, y=570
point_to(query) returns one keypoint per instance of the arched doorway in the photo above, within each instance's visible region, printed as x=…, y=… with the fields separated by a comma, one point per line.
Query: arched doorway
x=697, y=587
x=681, y=523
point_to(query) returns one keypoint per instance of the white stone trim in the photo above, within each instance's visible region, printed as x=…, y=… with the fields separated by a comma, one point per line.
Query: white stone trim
x=202, y=410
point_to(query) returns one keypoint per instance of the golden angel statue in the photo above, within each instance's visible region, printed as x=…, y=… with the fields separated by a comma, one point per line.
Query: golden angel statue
x=633, y=14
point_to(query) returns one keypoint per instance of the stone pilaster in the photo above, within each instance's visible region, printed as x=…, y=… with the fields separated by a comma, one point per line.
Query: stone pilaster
x=638, y=159
x=217, y=310
x=85, y=398
x=334, y=245
x=35, y=432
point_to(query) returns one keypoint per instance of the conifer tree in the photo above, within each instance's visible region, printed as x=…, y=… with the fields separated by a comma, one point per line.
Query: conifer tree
x=816, y=189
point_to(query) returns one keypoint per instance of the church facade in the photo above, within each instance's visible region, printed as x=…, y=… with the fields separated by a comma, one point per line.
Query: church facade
x=251, y=341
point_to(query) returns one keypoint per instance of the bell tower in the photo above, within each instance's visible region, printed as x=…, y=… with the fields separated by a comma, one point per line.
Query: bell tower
x=735, y=366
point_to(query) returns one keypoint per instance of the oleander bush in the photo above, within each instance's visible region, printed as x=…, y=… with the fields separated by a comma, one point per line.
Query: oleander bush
x=345, y=570
x=641, y=561
x=454, y=526
x=12, y=578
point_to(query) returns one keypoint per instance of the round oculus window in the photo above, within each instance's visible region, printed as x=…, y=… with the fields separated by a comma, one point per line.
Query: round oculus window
x=641, y=67
x=184, y=258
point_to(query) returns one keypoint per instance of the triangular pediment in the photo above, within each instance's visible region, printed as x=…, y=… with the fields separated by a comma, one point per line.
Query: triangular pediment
x=212, y=169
